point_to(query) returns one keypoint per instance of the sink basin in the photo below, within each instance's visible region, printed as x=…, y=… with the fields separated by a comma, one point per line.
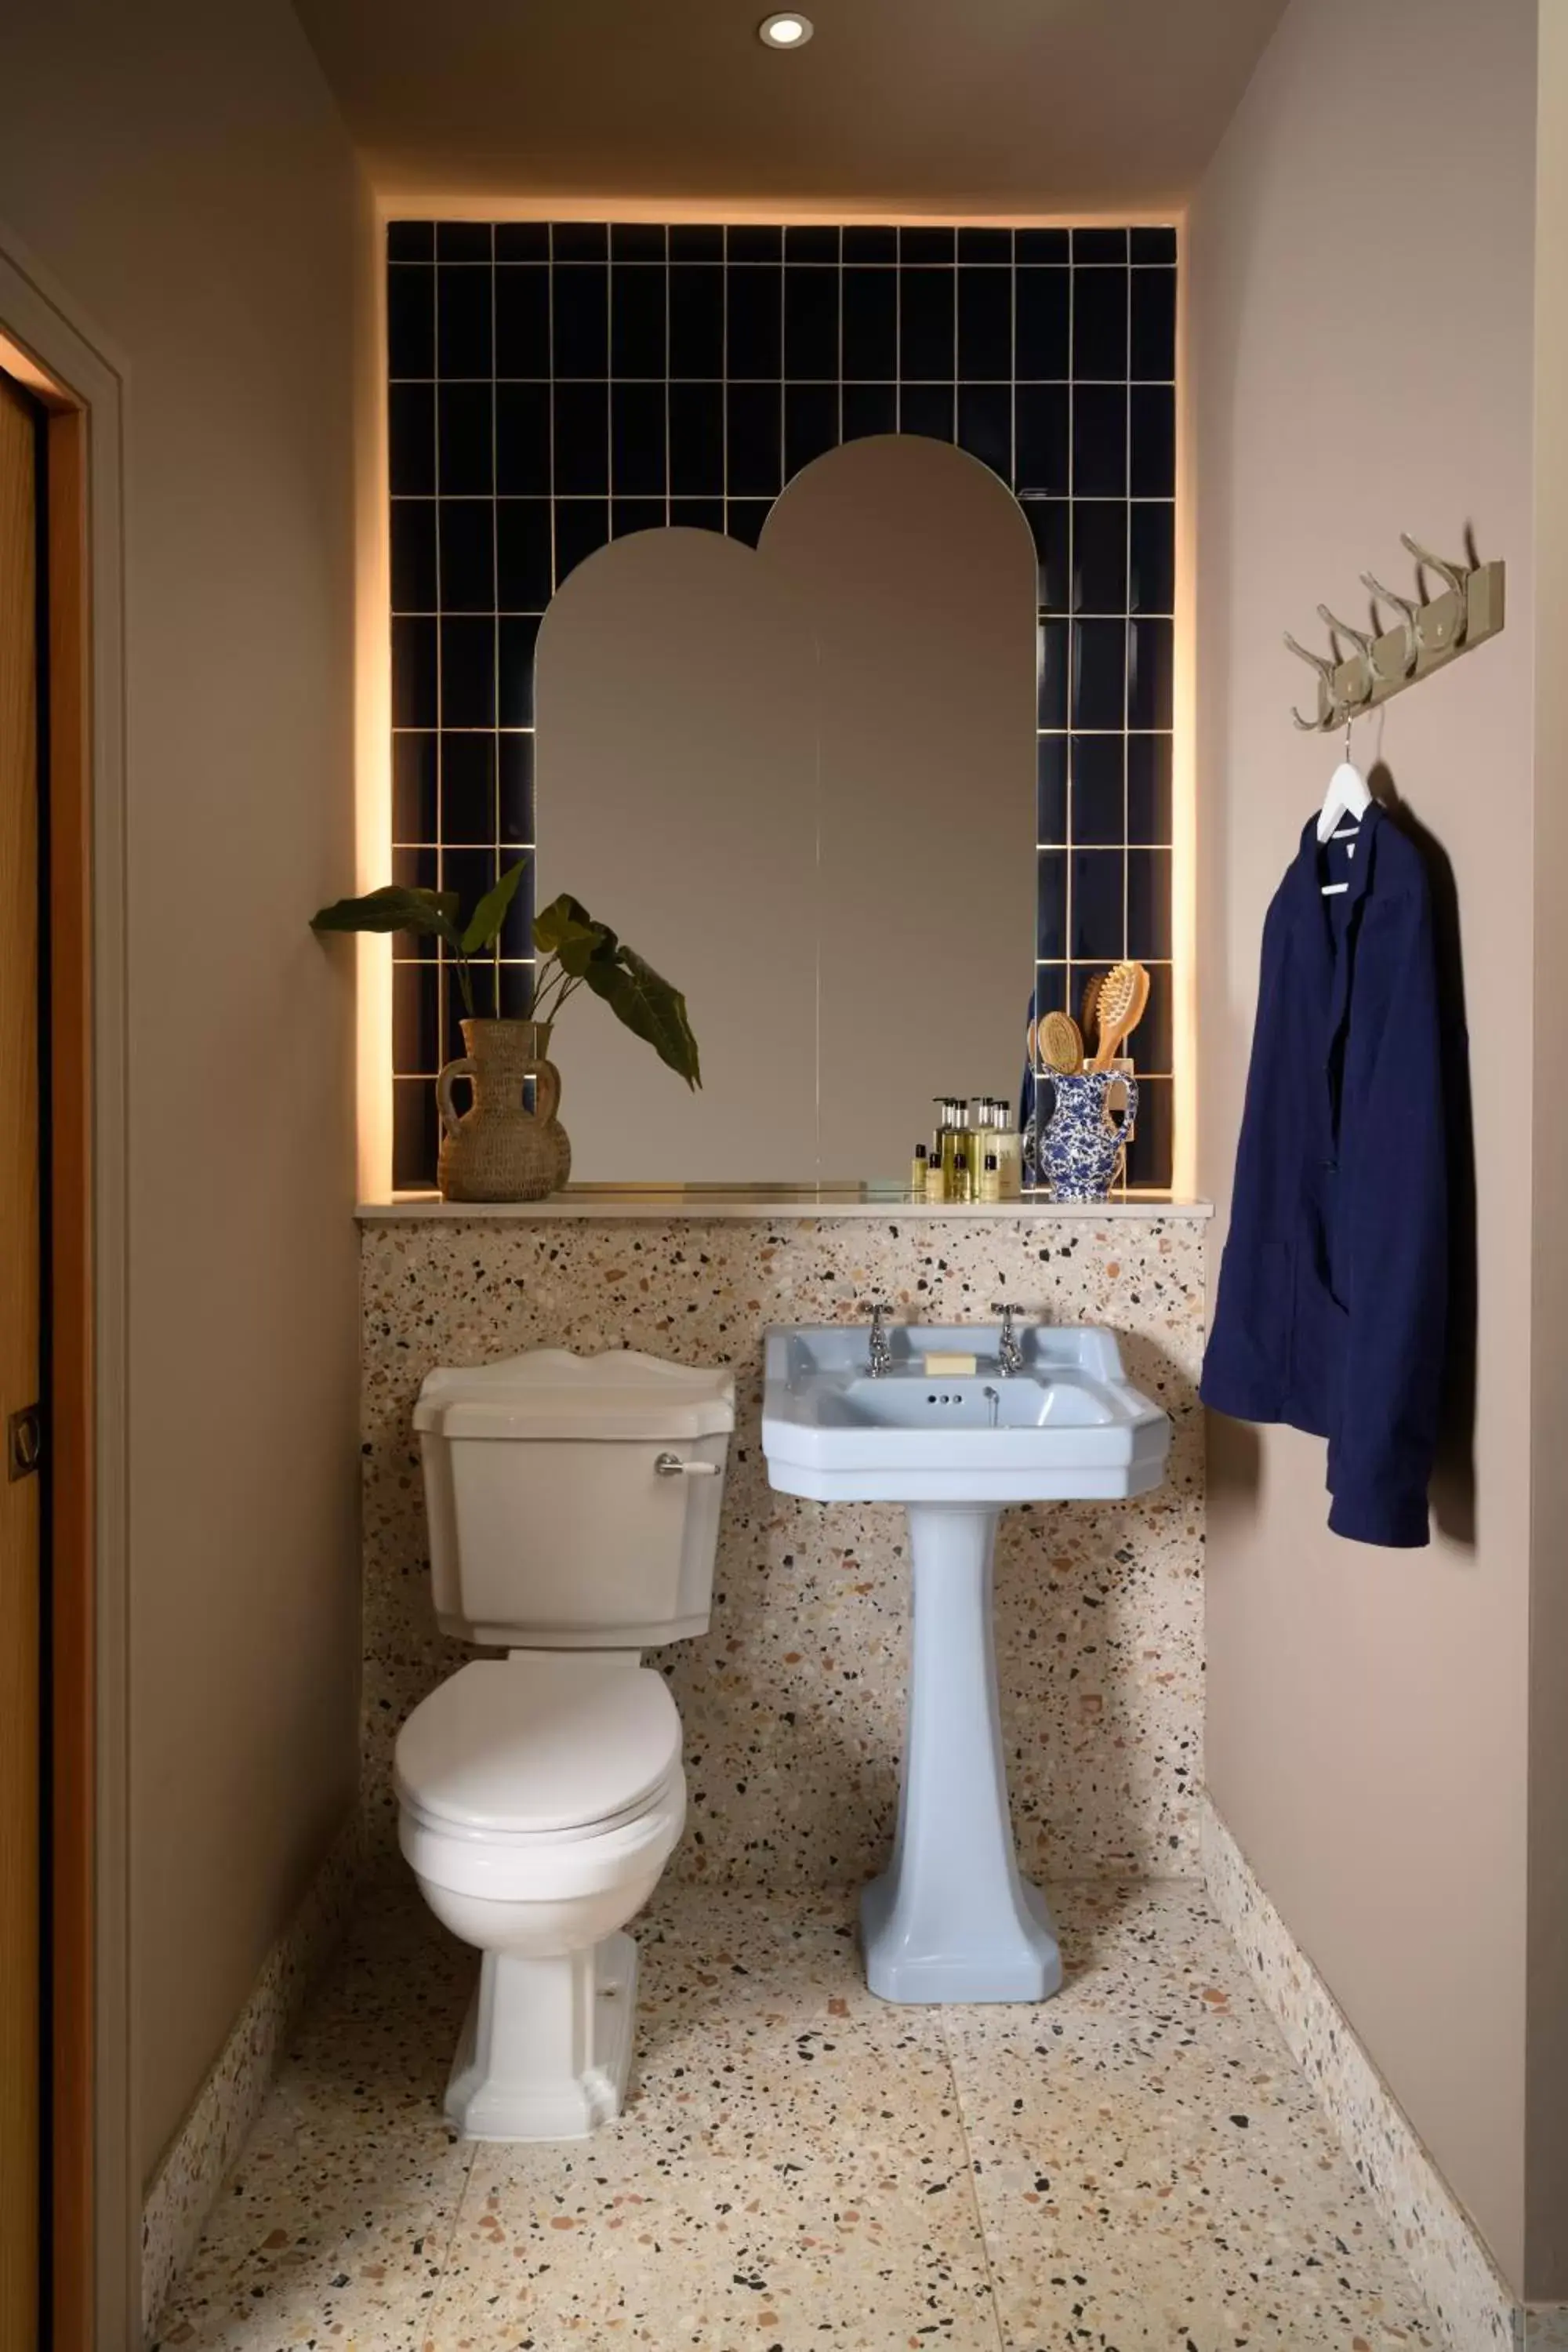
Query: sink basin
x=1067, y=1424
x=966, y=1402
x=950, y=1920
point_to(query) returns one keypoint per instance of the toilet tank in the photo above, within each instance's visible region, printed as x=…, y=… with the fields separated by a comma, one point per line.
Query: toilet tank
x=572, y=1501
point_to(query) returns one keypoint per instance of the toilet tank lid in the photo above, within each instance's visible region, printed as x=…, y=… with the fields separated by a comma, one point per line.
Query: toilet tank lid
x=549, y=1393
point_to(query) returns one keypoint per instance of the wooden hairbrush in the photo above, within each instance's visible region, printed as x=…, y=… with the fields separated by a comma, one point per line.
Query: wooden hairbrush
x=1119, y=1008
x=1088, y=1006
x=1058, y=1042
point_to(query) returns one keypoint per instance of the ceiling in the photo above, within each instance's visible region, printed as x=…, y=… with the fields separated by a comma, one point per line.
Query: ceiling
x=960, y=108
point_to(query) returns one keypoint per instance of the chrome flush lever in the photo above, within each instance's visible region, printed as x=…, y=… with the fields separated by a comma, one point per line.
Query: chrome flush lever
x=670, y=1465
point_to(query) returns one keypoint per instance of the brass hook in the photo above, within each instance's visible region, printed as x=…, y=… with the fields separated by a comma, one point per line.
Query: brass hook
x=1358, y=637
x=1406, y=606
x=1456, y=574
x=1440, y=625
x=1325, y=670
x=1362, y=664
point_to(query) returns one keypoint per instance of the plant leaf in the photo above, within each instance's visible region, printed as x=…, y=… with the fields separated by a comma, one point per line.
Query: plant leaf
x=484, y=924
x=565, y=929
x=649, y=1007
x=552, y=923
x=393, y=909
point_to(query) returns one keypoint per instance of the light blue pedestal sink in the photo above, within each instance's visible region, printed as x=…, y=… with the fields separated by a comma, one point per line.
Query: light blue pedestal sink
x=952, y=1919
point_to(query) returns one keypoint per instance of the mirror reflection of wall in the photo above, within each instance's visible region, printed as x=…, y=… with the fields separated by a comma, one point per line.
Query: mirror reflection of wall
x=676, y=799
x=918, y=568
x=801, y=782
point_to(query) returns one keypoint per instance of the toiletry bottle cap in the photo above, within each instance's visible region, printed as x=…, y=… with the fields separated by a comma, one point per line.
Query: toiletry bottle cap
x=921, y=1151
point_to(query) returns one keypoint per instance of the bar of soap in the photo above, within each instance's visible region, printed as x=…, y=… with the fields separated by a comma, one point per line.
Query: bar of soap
x=951, y=1360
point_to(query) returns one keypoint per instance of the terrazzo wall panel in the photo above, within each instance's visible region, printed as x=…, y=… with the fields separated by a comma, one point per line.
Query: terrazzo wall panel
x=793, y=1704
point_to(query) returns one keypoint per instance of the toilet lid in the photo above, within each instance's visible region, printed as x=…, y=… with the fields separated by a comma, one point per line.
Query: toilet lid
x=555, y=1740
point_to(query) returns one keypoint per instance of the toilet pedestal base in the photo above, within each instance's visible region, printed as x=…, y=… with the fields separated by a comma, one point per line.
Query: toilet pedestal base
x=547, y=2044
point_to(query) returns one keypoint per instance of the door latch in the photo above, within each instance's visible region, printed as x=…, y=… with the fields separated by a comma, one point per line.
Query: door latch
x=25, y=1442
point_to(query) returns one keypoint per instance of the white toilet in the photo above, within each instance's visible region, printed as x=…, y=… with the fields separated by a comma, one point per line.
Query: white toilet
x=573, y=1503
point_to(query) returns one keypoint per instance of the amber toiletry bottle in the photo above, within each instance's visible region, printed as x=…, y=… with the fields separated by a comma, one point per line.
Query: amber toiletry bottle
x=977, y=1139
x=951, y=1138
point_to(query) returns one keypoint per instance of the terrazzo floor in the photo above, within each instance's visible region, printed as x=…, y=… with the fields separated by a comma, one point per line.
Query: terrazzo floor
x=803, y=2168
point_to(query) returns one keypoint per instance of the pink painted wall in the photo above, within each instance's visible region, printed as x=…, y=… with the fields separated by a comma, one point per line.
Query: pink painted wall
x=1362, y=281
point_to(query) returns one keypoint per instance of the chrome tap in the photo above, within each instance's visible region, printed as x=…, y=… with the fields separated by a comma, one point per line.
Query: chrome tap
x=880, y=1350
x=1009, y=1354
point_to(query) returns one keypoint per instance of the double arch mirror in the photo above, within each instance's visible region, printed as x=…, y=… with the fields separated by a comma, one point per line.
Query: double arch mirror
x=801, y=779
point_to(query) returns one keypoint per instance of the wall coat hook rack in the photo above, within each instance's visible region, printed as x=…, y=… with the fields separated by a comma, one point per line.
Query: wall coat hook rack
x=1431, y=632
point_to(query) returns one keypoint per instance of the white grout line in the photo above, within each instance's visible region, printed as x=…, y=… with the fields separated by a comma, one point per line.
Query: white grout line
x=440, y=967
x=495, y=634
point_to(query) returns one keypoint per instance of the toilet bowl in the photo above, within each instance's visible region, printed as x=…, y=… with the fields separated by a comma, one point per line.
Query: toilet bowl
x=540, y=1797
x=540, y=1794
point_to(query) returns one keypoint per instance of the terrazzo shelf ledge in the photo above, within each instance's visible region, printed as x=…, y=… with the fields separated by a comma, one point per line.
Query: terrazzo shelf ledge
x=730, y=1203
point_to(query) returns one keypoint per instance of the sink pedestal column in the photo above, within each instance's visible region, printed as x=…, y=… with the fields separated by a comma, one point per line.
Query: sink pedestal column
x=950, y=1920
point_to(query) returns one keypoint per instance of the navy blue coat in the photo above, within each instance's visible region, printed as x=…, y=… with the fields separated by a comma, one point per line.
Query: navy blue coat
x=1333, y=1285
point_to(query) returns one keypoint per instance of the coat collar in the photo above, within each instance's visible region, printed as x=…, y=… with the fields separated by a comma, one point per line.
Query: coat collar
x=1305, y=885
x=1331, y=945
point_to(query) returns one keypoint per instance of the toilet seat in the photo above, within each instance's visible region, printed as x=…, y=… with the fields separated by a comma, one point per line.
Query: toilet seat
x=542, y=1778
x=543, y=1842
x=544, y=1744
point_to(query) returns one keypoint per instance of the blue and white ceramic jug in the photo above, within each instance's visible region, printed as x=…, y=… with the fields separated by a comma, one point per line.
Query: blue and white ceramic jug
x=1079, y=1148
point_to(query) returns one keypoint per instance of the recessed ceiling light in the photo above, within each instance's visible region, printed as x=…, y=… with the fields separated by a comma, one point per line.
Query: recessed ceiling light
x=786, y=31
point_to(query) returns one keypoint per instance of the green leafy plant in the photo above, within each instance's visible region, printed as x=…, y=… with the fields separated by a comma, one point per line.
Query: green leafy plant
x=431, y=914
x=577, y=951
x=580, y=953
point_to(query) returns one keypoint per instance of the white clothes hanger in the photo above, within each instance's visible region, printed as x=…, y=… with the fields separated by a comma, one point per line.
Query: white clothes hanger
x=1347, y=797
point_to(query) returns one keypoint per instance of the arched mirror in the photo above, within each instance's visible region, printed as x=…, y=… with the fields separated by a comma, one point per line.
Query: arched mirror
x=800, y=780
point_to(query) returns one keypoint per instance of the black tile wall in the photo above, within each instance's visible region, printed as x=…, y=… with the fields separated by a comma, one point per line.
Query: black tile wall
x=553, y=387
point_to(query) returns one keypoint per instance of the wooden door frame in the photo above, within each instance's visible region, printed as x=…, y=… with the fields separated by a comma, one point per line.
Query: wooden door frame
x=93, y=2196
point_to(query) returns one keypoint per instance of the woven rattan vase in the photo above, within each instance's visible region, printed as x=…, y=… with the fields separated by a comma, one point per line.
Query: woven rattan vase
x=500, y=1150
